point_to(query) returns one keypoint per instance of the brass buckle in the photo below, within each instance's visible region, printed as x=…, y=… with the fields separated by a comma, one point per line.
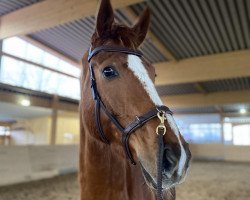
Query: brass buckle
x=161, y=115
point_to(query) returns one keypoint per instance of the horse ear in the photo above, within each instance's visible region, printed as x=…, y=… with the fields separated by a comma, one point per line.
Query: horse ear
x=141, y=27
x=105, y=18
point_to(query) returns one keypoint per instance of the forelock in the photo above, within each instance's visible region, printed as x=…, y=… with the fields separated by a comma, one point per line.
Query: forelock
x=119, y=35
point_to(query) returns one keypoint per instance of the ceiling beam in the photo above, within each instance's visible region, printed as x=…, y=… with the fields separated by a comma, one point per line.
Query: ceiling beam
x=16, y=98
x=50, y=13
x=204, y=68
x=6, y=124
x=209, y=99
x=173, y=101
x=36, y=64
x=169, y=56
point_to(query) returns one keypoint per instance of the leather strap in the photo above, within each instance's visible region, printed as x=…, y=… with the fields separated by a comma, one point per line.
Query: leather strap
x=98, y=123
x=111, y=117
x=113, y=49
x=160, y=154
x=93, y=83
x=137, y=123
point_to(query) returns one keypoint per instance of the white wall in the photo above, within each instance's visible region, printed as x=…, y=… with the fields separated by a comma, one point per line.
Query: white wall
x=26, y=163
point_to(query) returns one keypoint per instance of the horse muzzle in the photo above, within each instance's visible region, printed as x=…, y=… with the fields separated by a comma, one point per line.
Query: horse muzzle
x=171, y=174
x=175, y=166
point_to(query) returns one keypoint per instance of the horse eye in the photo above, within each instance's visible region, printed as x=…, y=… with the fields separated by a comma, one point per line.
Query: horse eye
x=109, y=72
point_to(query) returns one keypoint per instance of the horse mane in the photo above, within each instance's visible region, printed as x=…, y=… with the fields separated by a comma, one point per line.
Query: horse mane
x=119, y=35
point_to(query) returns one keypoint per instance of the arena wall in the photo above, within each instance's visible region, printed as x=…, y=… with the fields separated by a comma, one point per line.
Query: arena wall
x=27, y=163
x=221, y=152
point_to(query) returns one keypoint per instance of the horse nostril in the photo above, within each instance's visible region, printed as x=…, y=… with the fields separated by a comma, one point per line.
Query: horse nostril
x=169, y=159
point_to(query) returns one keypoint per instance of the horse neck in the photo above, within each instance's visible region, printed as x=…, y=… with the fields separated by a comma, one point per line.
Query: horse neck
x=105, y=173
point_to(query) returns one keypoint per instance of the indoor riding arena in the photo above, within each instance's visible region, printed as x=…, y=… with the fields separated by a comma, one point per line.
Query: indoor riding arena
x=200, y=50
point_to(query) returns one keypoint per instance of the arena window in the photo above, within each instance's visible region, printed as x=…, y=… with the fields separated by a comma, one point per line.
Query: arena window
x=241, y=135
x=202, y=133
x=237, y=130
x=200, y=128
x=25, y=65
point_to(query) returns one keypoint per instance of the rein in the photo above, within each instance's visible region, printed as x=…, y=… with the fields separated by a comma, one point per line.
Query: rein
x=158, y=111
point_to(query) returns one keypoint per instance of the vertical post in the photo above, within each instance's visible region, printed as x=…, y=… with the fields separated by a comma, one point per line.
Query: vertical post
x=54, y=120
x=233, y=124
x=220, y=109
x=222, y=128
x=1, y=50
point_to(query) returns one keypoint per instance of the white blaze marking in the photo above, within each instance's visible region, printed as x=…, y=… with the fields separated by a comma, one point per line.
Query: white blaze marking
x=183, y=156
x=136, y=66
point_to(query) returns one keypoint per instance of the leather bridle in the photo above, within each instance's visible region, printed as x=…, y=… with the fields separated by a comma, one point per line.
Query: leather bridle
x=139, y=121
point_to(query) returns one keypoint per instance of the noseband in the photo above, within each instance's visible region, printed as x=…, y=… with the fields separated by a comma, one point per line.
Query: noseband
x=139, y=121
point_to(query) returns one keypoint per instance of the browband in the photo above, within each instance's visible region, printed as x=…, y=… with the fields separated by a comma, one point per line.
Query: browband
x=113, y=49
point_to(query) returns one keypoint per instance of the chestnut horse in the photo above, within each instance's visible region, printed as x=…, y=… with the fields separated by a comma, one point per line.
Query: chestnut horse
x=123, y=80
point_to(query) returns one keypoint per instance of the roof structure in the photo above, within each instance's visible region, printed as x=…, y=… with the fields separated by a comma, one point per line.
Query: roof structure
x=179, y=30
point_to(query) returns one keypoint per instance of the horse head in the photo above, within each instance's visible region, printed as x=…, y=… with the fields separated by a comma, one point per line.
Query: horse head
x=125, y=84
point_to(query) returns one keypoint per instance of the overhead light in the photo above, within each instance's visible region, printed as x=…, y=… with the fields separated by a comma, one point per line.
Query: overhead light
x=25, y=102
x=69, y=136
x=243, y=111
